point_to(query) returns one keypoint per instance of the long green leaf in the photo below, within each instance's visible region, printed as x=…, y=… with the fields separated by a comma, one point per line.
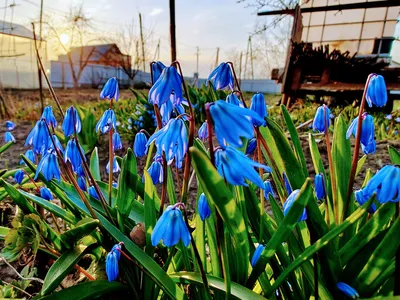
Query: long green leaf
x=83, y=228
x=394, y=155
x=95, y=164
x=5, y=147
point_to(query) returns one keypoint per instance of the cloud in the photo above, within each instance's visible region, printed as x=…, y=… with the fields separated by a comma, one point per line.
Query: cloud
x=156, y=11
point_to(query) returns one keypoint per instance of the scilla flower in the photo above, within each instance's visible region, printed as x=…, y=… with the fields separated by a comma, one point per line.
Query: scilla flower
x=112, y=259
x=386, y=184
x=156, y=69
x=39, y=137
x=8, y=137
x=49, y=116
x=71, y=121
x=362, y=198
x=117, y=143
x=10, y=125
x=233, y=99
x=156, y=171
x=19, y=176
x=256, y=255
x=259, y=106
x=115, y=168
x=203, y=132
x=289, y=202
x=203, y=208
x=235, y=167
x=82, y=183
x=171, y=228
x=347, y=290
x=139, y=145
x=172, y=139
x=110, y=89
x=107, y=121
x=29, y=154
x=268, y=189
x=169, y=82
x=92, y=192
x=232, y=122
x=319, y=186
x=48, y=165
x=367, y=138
x=57, y=144
x=221, y=77
x=72, y=154
x=251, y=146
x=376, y=91
x=321, y=118
x=45, y=193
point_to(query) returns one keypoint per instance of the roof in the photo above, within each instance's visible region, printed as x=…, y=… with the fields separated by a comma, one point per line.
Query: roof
x=16, y=30
x=93, y=52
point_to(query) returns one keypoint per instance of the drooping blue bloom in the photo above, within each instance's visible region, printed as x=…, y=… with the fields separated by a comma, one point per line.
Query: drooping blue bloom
x=397, y=120
x=49, y=116
x=221, y=77
x=139, y=145
x=72, y=155
x=287, y=184
x=203, y=132
x=268, y=189
x=92, y=192
x=156, y=172
x=29, y=154
x=289, y=202
x=388, y=117
x=251, y=146
x=203, y=208
x=19, y=176
x=386, y=184
x=45, y=193
x=8, y=137
x=110, y=89
x=370, y=148
x=367, y=138
x=172, y=139
x=232, y=98
x=347, y=290
x=168, y=82
x=115, y=184
x=58, y=144
x=112, y=259
x=156, y=69
x=115, y=168
x=71, y=121
x=235, y=167
x=259, y=106
x=322, y=118
x=232, y=122
x=39, y=137
x=48, y=165
x=116, y=139
x=82, y=183
x=256, y=255
x=362, y=198
x=10, y=125
x=376, y=91
x=319, y=183
x=171, y=228
x=80, y=171
x=166, y=110
x=107, y=121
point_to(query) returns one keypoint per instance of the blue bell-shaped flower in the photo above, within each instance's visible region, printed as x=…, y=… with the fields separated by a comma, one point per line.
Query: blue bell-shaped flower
x=169, y=82
x=92, y=192
x=45, y=193
x=256, y=255
x=139, y=145
x=233, y=99
x=362, y=198
x=112, y=259
x=156, y=172
x=347, y=290
x=319, y=183
x=386, y=184
x=107, y=121
x=57, y=144
x=117, y=143
x=48, y=165
x=19, y=176
x=8, y=137
x=376, y=91
x=110, y=90
x=259, y=106
x=115, y=166
x=203, y=208
x=322, y=118
x=156, y=69
x=367, y=138
x=82, y=183
x=251, y=146
x=29, y=154
x=71, y=121
x=221, y=77
x=268, y=189
x=49, y=116
x=72, y=154
x=289, y=202
x=39, y=137
x=10, y=125
x=203, y=132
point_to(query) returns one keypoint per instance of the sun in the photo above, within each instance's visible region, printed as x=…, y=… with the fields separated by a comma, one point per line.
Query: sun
x=64, y=38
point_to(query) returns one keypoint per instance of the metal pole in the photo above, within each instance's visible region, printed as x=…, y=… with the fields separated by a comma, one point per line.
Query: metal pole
x=217, y=57
x=197, y=59
x=39, y=70
x=172, y=29
x=142, y=41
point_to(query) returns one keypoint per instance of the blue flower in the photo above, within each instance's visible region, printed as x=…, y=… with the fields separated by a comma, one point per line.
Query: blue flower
x=166, y=110
x=221, y=77
x=203, y=132
x=115, y=168
x=362, y=198
x=289, y=202
x=139, y=145
x=115, y=184
x=107, y=121
x=117, y=143
x=235, y=167
x=203, y=208
x=232, y=122
x=397, y=120
x=49, y=116
x=367, y=138
x=71, y=121
x=370, y=148
x=45, y=193
x=72, y=154
x=80, y=171
x=48, y=165
x=256, y=255
x=251, y=146
x=156, y=172
x=287, y=184
x=259, y=106
x=386, y=184
x=92, y=192
x=376, y=91
x=19, y=176
x=388, y=117
x=110, y=90
x=268, y=189
x=233, y=99
x=8, y=137
x=171, y=228
x=57, y=143
x=10, y=125
x=82, y=183
x=321, y=118
x=319, y=186
x=168, y=82
x=172, y=139
x=347, y=290
x=112, y=260
x=39, y=137
x=29, y=154
x=156, y=69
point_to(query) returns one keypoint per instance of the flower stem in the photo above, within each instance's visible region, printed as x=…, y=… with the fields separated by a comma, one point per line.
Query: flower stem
x=110, y=169
x=210, y=133
x=237, y=83
x=262, y=209
x=164, y=183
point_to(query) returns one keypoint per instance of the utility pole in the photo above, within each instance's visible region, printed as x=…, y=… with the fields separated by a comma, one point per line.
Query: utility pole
x=246, y=59
x=251, y=58
x=197, y=59
x=142, y=41
x=172, y=29
x=39, y=69
x=217, y=57
x=240, y=66
x=41, y=22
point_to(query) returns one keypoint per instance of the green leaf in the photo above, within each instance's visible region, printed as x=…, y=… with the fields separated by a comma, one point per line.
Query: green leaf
x=394, y=155
x=83, y=228
x=360, y=164
x=95, y=164
x=5, y=147
x=3, y=232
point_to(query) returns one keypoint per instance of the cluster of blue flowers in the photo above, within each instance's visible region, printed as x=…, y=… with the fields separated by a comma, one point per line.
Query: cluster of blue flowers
x=8, y=137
